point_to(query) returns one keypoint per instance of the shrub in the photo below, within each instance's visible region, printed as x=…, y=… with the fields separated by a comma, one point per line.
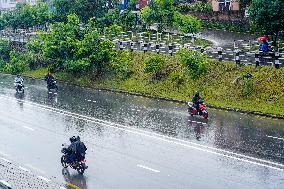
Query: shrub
x=121, y=65
x=5, y=49
x=18, y=63
x=154, y=64
x=77, y=66
x=177, y=76
x=194, y=61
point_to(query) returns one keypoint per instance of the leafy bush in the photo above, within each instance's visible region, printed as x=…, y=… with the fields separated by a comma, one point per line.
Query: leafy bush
x=194, y=61
x=121, y=65
x=187, y=23
x=177, y=76
x=26, y=15
x=113, y=30
x=18, y=63
x=154, y=64
x=77, y=66
x=5, y=48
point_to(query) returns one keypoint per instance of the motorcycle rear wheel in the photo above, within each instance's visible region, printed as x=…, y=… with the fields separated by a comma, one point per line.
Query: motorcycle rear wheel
x=81, y=169
x=205, y=114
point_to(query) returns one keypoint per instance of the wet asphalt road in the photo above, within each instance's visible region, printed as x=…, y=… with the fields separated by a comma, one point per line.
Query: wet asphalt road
x=135, y=142
x=225, y=39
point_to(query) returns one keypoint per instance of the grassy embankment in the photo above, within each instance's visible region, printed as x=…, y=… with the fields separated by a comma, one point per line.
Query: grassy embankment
x=265, y=94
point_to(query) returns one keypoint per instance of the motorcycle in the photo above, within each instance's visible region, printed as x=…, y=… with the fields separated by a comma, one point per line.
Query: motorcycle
x=202, y=109
x=19, y=87
x=52, y=86
x=80, y=165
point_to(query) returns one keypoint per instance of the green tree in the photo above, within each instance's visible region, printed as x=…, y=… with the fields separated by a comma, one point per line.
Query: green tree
x=85, y=9
x=59, y=44
x=160, y=12
x=268, y=16
x=72, y=48
x=194, y=61
x=187, y=23
x=26, y=15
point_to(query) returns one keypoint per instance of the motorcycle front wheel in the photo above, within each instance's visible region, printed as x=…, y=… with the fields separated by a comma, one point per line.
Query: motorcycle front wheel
x=64, y=161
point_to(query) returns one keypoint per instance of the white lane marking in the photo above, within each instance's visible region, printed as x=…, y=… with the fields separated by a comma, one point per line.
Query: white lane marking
x=8, y=161
x=29, y=128
x=155, y=135
x=24, y=169
x=4, y=154
x=62, y=187
x=43, y=178
x=148, y=168
x=6, y=184
x=275, y=137
x=34, y=168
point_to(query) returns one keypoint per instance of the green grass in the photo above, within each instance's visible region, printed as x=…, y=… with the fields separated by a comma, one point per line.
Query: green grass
x=215, y=86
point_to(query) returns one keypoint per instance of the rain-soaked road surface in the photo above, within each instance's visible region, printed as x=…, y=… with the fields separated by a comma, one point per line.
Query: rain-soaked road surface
x=135, y=142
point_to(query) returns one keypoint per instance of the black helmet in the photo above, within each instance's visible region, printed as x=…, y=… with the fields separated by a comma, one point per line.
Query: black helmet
x=196, y=93
x=18, y=75
x=72, y=139
x=78, y=138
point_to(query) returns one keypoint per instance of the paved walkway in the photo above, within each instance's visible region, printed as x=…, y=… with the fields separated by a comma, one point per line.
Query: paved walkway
x=13, y=176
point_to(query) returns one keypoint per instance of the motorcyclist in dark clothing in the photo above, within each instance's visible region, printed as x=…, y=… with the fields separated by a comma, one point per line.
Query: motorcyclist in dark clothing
x=49, y=78
x=81, y=149
x=72, y=150
x=77, y=150
x=196, y=99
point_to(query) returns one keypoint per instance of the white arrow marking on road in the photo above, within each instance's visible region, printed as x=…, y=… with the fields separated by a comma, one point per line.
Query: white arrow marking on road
x=275, y=137
x=148, y=168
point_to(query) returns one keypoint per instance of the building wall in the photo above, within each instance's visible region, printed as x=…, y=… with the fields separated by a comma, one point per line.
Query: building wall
x=234, y=4
x=143, y=3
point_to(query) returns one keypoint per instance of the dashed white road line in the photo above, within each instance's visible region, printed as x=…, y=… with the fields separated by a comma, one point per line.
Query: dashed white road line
x=4, y=159
x=278, y=138
x=4, y=154
x=29, y=128
x=34, y=168
x=43, y=178
x=24, y=169
x=148, y=168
